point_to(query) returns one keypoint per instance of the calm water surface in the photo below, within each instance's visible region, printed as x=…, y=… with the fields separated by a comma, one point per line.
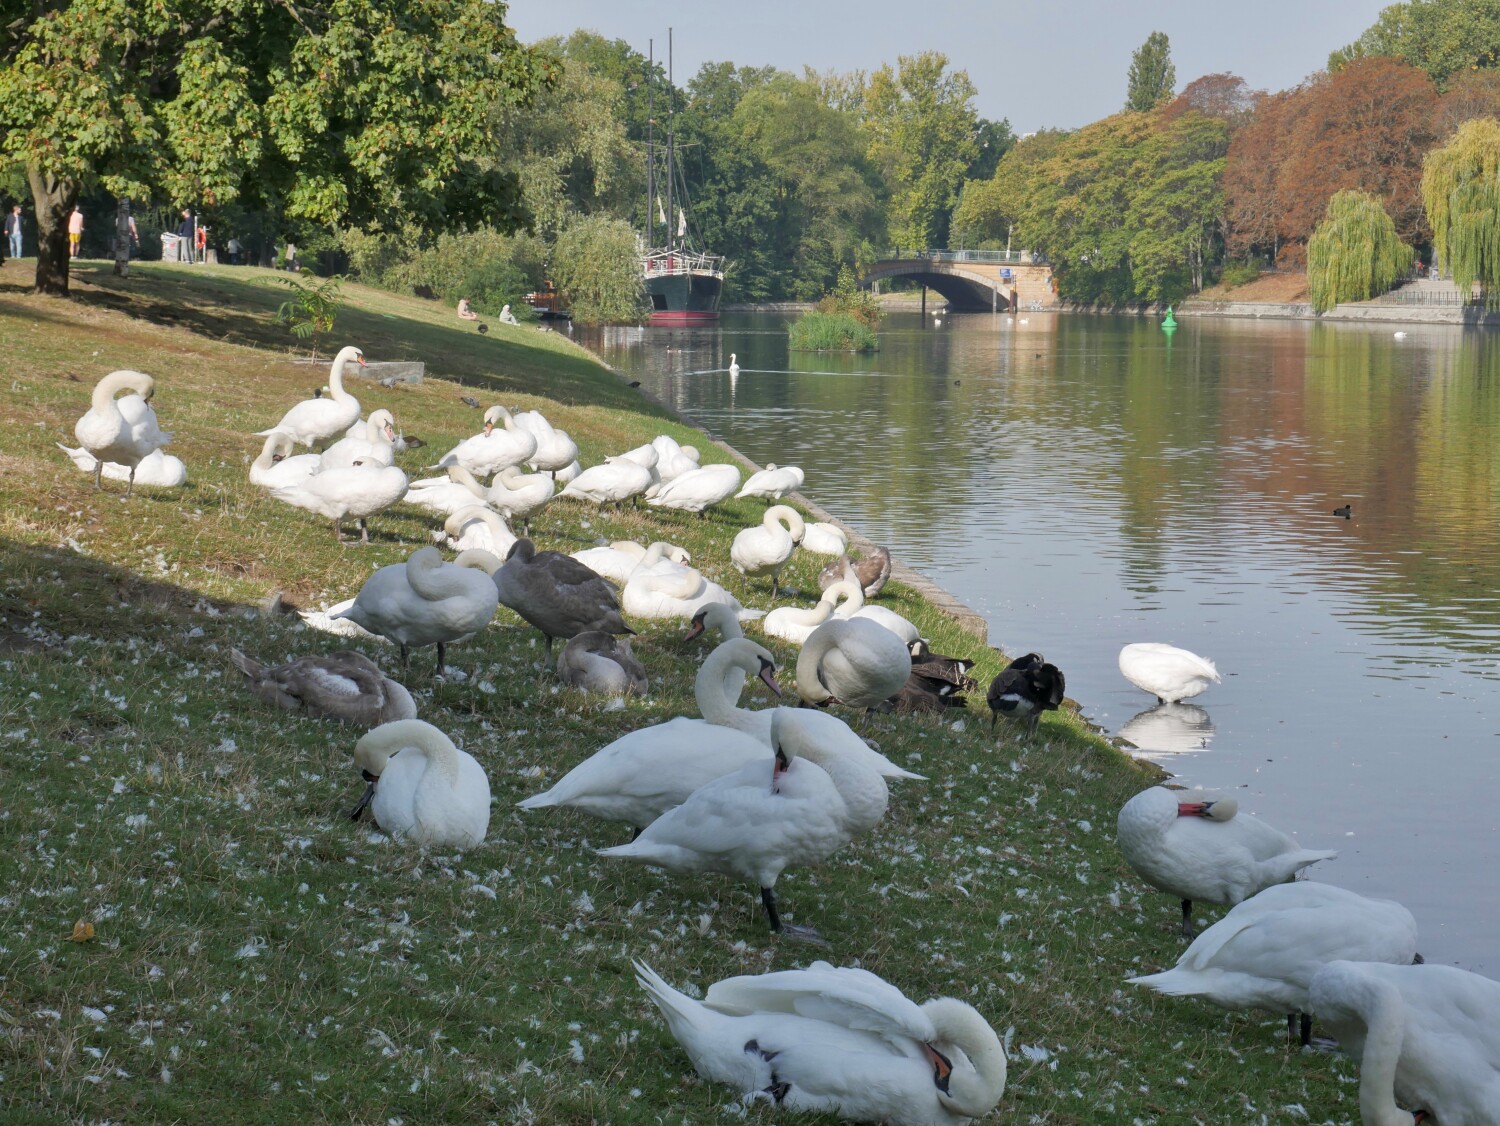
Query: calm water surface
x=1086, y=482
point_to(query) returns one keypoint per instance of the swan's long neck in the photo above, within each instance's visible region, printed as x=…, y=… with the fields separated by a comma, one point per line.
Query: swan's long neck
x=336, y=376
x=844, y=598
x=722, y=618
x=276, y=443
x=795, y=527
x=405, y=735
x=1384, y=1014
x=116, y=381
x=489, y=518
x=477, y=557
x=717, y=696
x=864, y=791
x=809, y=685
x=973, y=1094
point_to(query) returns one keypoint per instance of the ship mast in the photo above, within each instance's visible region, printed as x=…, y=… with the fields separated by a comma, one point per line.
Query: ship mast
x=650, y=143
x=671, y=145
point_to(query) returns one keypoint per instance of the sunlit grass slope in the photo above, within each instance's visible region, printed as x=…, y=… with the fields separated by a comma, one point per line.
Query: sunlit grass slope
x=257, y=958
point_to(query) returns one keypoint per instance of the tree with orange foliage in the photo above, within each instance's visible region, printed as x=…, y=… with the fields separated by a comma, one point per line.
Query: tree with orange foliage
x=1225, y=96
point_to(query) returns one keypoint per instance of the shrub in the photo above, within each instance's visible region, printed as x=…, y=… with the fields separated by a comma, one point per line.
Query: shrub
x=1239, y=273
x=488, y=268
x=848, y=300
x=832, y=332
x=313, y=306
x=597, y=266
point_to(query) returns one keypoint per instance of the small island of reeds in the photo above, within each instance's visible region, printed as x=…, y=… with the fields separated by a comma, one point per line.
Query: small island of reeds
x=843, y=321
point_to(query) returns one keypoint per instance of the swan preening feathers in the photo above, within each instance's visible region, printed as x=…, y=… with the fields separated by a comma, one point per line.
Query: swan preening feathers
x=121, y=431
x=1167, y=672
x=838, y=1040
x=421, y=787
x=346, y=686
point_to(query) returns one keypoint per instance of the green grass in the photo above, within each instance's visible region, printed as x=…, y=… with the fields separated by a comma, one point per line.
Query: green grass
x=831, y=332
x=258, y=958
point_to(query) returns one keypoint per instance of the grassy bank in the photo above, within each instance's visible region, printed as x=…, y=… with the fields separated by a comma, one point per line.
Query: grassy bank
x=258, y=958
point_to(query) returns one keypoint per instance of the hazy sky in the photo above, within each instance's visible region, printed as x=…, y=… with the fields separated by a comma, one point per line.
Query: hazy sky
x=1045, y=63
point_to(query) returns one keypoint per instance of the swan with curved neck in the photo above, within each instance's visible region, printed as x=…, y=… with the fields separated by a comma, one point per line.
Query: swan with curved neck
x=475, y=526
x=316, y=420
x=501, y=444
x=359, y=491
x=555, y=451
x=854, y=662
x=276, y=466
x=123, y=431
x=773, y=482
x=839, y=1040
x=800, y=808
x=376, y=445
x=661, y=588
x=853, y=606
x=765, y=548
x=796, y=623
x=422, y=787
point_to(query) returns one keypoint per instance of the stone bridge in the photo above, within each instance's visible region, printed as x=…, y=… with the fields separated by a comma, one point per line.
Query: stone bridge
x=972, y=281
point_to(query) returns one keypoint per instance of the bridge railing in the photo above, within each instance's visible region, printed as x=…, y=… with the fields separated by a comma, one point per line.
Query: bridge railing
x=1020, y=257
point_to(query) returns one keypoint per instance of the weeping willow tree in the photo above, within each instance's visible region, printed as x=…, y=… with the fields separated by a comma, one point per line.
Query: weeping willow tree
x=1355, y=253
x=1461, y=189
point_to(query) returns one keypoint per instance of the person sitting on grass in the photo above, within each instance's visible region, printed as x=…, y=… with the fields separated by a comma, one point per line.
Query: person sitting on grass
x=464, y=312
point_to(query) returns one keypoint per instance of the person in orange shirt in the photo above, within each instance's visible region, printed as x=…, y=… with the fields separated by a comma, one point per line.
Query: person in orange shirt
x=75, y=232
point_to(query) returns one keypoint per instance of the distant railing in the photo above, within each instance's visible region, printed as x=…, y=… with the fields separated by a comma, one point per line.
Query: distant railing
x=656, y=263
x=1449, y=296
x=1024, y=257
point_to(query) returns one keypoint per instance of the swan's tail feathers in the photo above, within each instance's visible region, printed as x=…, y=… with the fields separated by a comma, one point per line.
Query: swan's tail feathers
x=682, y=1012
x=1173, y=983
x=247, y=665
x=538, y=801
x=1289, y=865
x=898, y=772
x=748, y=615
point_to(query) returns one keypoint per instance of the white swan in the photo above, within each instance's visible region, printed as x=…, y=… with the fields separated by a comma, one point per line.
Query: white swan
x=644, y=773
x=1264, y=952
x=766, y=547
x=425, y=601
x=617, y=561
x=799, y=808
x=555, y=451
x=520, y=496
x=477, y=527
x=597, y=662
x=567, y=473
x=659, y=588
x=345, y=686
x=328, y=416
x=773, y=482
x=1167, y=672
x=614, y=482
x=122, y=431
x=673, y=460
x=697, y=489
x=823, y=538
x=359, y=492
x=838, y=1040
x=157, y=468
x=421, y=787
x=276, y=466
x=1197, y=846
x=372, y=443
x=734, y=366
x=853, y=606
x=455, y=490
x=1426, y=1035
x=330, y=620
x=557, y=594
x=492, y=449
x=854, y=662
x=796, y=623
x=1399, y=334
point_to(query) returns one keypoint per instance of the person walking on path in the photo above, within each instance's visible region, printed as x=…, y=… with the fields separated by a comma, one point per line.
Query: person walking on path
x=202, y=243
x=186, y=235
x=75, y=232
x=13, y=230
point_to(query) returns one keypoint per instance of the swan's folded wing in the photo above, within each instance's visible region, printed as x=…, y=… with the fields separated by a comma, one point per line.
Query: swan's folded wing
x=849, y=997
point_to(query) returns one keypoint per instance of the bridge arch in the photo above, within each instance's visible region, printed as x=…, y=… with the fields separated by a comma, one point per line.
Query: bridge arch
x=972, y=281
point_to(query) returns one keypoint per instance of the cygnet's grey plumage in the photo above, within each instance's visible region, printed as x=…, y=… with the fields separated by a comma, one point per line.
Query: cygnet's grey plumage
x=344, y=685
x=557, y=594
x=871, y=571
x=596, y=662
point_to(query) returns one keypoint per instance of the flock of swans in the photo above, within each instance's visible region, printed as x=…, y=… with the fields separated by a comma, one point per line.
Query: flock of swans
x=750, y=793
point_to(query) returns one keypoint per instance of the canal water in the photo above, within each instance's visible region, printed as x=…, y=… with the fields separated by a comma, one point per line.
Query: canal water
x=1085, y=482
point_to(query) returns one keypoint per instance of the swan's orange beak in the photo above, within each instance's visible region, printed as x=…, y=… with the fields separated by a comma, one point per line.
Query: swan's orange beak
x=697, y=628
x=768, y=676
x=390, y=432
x=360, y=356
x=942, y=1067
x=1193, y=808
x=488, y=426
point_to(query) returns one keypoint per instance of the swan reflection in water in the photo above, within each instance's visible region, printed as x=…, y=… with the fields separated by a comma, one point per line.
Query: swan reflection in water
x=1170, y=729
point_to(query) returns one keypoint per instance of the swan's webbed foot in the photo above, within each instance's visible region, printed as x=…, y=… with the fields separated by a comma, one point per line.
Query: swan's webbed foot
x=788, y=930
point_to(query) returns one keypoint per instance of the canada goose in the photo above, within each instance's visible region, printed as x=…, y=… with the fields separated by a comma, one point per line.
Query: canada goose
x=1024, y=689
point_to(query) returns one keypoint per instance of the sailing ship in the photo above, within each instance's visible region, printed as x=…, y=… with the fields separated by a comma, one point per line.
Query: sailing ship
x=682, y=281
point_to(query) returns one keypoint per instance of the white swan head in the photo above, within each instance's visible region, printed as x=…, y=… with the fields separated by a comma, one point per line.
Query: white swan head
x=493, y=417
x=383, y=422
x=376, y=747
x=968, y=1060
x=736, y=653
x=715, y=615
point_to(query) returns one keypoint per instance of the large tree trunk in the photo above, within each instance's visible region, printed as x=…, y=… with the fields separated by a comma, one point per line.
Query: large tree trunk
x=122, y=238
x=54, y=196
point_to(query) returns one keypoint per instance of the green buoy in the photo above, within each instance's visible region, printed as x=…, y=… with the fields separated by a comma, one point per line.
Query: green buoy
x=1169, y=324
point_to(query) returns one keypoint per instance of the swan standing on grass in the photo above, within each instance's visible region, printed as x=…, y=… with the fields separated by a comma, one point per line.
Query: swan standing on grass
x=597, y=662
x=838, y=1040
x=1264, y=953
x=276, y=466
x=455, y=490
x=327, y=416
x=673, y=460
x=359, y=491
x=1197, y=846
x=345, y=686
x=122, y=431
x=772, y=482
x=646, y=772
x=372, y=442
x=157, y=468
x=426, y=601
x=555, y=451
x=557, y=594
x=477, y=527
x=492, y=449
x=797, y=809
x=520, y=496
x=854, y=662
x=1168, y=673
x=764, y=549
x=421, y=787
x=1426, y=1036
x=697, y=489
x=614, y=482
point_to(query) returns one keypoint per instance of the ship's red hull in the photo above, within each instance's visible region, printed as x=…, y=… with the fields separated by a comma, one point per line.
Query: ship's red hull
x=680, y=318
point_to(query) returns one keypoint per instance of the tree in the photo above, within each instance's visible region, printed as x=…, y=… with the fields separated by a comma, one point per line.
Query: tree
x=1177, y=205
x=1461, y=188
x=597, y=266
x=1444, y=38
x=920, y=123
x=987, y=210
x=1225, y=96
x=1355, y=253
x=271, y=103
x=1152, y=76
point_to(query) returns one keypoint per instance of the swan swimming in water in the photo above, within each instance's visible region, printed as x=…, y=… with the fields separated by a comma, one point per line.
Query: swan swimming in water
x=1198, y=846
x=421, y=787
x=314, y=420
x=121, y=431
x=841, y=1041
